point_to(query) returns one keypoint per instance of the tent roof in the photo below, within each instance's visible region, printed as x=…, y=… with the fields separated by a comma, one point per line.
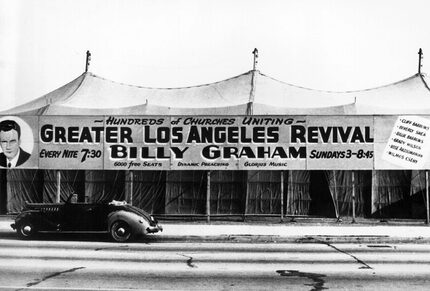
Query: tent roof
x=90, y=94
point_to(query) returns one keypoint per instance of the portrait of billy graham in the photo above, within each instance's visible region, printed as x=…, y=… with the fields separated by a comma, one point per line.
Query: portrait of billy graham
x=12, y=154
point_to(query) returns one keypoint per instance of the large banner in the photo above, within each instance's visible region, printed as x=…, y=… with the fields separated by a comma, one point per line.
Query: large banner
x=215, y=142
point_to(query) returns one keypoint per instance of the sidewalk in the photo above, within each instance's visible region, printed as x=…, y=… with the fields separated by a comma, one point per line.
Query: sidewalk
x=282, y=232
x=301, y=233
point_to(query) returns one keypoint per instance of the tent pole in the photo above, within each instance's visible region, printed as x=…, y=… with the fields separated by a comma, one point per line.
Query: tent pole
x=208, y=197
x=58, y=186
x=4, y=202
x=289, y=183
x=374, y=207
x=282, y=196
x=420, y=57
x=246, y=196
x=353, y=196
x=131, y=186
x=87, y=62
x=250, y=105
x=255, y=53
x=335, y=200
x=427, y=198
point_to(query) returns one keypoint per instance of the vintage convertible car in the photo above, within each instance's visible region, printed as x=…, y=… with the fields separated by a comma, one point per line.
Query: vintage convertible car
x=121, y=220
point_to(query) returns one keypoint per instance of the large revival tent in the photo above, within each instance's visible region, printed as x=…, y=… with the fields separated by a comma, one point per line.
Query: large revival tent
x=249, y=93
x=322, y=193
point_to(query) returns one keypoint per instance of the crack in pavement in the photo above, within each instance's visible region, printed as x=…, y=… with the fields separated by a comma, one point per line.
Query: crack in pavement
x=189, y=261
x=111, y=248
x=318, y=282
x=379, y=246
x=365, y=266
x=38, y=281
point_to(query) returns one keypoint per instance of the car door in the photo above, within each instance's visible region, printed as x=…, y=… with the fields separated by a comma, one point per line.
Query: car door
x=78, y=217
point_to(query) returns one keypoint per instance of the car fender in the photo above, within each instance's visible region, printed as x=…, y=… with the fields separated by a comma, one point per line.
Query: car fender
x=29, y=214
x=33, y=215
x=137, y=223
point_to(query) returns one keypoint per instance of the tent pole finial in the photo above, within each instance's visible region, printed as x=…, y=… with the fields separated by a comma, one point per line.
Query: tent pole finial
x=87, y=62
x=255, y=53
x=420, y=57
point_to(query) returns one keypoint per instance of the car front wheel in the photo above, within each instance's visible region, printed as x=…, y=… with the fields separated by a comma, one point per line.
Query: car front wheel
x=121, y=231
x=26, y=230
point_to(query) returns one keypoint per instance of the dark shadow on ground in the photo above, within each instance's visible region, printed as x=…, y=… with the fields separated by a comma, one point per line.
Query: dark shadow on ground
x=77, y=236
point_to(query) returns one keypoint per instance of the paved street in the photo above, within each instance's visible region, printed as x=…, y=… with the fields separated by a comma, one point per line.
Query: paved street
x=75, y=262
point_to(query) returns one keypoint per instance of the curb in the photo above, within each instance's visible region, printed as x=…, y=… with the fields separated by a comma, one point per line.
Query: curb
x=379, y=241
x=305, y=239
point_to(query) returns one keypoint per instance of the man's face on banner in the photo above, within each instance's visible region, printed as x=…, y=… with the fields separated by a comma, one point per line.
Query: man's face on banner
x=9, y=142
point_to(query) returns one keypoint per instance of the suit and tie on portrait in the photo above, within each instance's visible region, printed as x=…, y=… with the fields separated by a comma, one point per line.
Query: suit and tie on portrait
x=12, y=154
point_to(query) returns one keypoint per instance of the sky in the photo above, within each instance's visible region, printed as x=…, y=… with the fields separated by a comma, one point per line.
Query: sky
x=332, y=45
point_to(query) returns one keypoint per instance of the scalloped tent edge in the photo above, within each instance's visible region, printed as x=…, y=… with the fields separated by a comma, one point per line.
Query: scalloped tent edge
x=248, y=93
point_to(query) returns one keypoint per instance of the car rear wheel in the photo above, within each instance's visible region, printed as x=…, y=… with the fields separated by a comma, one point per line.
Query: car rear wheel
x=26, y=230
x=121, y=231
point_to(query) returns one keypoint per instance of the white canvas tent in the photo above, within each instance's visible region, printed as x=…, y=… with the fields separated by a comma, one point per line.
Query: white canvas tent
x=323, y=193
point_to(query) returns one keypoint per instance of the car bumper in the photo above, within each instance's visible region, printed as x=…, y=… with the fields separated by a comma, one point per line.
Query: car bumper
x=154, y=229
